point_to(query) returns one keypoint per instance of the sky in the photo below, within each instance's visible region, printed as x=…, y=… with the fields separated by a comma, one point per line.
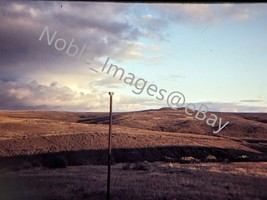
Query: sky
x=212, y=54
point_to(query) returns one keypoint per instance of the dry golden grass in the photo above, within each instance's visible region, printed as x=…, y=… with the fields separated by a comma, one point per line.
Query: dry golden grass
x=153, y=135
x=189, y=181
x=30, y=132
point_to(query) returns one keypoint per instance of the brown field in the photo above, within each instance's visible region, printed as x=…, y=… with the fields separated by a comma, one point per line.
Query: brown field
x=157, y=154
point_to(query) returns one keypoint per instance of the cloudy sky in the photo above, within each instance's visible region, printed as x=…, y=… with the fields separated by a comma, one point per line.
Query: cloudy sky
x=212, y=54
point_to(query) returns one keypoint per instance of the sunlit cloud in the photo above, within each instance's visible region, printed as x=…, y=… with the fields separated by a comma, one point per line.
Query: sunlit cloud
x=137, y=37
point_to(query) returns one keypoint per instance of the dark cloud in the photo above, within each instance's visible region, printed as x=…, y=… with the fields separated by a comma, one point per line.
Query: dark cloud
x=107, y=29
x=33, y=95
x=87, y=23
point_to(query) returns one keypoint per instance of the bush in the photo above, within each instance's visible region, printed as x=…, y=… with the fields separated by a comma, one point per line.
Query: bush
x=22, y=166
x=141, y=166
x=126, y=166
x=242, y=158
x=211, y=158
x=189, y=159
x=26, y=165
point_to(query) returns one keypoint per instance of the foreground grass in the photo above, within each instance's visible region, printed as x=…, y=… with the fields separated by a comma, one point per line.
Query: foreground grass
x=150, y=181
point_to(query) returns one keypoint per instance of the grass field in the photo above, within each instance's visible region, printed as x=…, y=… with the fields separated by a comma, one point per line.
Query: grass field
x=154, y=181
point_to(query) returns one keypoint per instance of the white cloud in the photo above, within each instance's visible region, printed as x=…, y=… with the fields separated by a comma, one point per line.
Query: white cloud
x=231, y=107
x=35, y=96
x=240, y=12
x=106, y=31
x=194, y=13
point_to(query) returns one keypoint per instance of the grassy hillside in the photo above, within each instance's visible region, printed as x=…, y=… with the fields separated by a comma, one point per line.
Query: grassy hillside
x=34, y=132
x=157, y=154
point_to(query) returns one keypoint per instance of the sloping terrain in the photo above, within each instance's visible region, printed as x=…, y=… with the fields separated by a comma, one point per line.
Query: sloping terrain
x=241, y=125
x=35, y=132
x=156, y=154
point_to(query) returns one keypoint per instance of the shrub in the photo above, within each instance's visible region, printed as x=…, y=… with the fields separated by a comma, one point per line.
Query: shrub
x=211, y=158
x=126, y=166
x=189, y=159
x=242, y=158
x=26, y=165
x=170, y=165
x=22, y=166
x=141, y=166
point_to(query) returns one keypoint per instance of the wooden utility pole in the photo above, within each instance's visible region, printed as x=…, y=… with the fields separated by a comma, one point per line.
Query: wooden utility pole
x=109, y=143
